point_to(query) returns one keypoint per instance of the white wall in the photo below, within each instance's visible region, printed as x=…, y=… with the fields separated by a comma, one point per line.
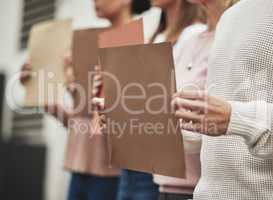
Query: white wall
x=11, y=59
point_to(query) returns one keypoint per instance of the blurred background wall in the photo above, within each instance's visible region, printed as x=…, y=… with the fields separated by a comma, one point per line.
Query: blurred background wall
x=39, y=131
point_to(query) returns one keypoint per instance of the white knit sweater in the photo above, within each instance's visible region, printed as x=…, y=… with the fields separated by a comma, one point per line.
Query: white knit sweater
x=239, y=166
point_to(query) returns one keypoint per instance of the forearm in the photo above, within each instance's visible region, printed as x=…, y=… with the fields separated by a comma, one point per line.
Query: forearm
x=253, y=122
x=192, y=142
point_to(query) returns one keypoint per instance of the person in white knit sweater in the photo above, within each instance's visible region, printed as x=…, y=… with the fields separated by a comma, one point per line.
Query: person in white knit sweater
x=235, y=114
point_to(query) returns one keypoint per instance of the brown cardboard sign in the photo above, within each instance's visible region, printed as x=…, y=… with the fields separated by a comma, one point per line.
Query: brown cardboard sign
x=85, y=50
x=49, y=42
x=85, y=53
x=143, y=133
x=129, y=34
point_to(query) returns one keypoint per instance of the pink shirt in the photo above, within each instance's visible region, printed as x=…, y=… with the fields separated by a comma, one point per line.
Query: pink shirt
x=86, y=150
x=191, y=62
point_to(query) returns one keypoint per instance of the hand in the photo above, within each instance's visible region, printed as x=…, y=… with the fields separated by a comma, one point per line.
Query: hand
x=52, y=109
x=98, y=103
x=102, y=122
x=97, y=82
x=26, y=71
x=69, y=73
x=202, y=113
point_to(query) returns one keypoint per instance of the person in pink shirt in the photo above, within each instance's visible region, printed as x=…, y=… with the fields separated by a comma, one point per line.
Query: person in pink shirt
x=86, y=152
x=191, y=62
x=176, y=16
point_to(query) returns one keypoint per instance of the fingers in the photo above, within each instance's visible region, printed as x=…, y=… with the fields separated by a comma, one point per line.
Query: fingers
x=26, y=66
x=192, y=95
x=103, y=119
x=97, y=82
x=71, y=88
x=98, y=79
x=191, y=105
x=98, y=103
x=51, y=109
x=26, y=72
x=25, y=76
x=69, y=73
x=97, y=68
x=67, y=60
x=70, y=80
x=189, y=116
x=193, y=127
x=103, y=123
x=97, y=85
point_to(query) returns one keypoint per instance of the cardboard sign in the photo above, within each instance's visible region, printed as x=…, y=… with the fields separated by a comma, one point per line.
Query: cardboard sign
x=143, y=133
x=48, y=44
x=85, y=53
x=129, y=34
x=85, y=50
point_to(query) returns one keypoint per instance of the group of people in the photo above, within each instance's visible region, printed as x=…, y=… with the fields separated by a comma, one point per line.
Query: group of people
x=223, y=55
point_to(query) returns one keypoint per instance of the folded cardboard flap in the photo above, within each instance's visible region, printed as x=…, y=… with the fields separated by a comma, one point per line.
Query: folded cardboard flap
x=49, y=42
x=143, y=133
x=129, y=34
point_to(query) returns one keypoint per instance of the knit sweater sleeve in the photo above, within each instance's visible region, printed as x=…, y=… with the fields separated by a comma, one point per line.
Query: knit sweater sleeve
x=253, y=121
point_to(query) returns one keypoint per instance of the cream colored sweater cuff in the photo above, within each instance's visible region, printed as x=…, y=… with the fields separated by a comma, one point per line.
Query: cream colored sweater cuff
x=252, y=121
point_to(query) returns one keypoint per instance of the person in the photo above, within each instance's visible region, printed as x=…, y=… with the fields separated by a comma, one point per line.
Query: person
x=235, y=113
x=86, y=158
x=120, y=12
x=180, y=20
x=176, y=16
x=132, y=185
x=191, y=56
